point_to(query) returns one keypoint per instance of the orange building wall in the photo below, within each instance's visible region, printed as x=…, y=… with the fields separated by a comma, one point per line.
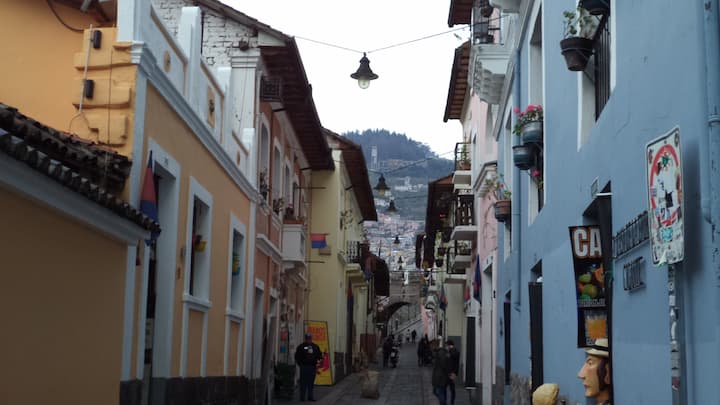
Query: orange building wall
x=62, y=308
x=40, y=44
x=171, y=133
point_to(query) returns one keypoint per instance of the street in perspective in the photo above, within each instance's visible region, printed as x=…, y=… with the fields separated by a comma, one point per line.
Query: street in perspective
x=457, y=202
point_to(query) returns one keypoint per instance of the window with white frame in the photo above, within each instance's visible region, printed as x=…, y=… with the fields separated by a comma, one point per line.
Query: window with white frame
x=595, y=82
x=264, y=157
x=276, y=185
x=200, y=222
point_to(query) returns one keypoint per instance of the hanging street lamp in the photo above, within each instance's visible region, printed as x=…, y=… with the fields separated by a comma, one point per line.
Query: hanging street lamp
x=382, y=186
x=364, y=74
x=391, y=208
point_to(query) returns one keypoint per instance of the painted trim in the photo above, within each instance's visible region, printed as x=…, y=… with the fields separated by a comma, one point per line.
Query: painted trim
x=249, y=293
x=190, y=301
x=169, y=209
x=274, y=293
x=128, y=316
x=269, y=248
x=147, y=64
x=259, y=284
x=235, y=315
x=230, y=315
x=31, y=184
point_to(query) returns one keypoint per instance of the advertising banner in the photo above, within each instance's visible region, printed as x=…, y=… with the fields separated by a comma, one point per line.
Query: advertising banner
x=319, y=332
x=665, y=198
x=589, y=279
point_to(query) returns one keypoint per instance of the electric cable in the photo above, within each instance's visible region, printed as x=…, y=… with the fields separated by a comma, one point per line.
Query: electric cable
x=52, y=8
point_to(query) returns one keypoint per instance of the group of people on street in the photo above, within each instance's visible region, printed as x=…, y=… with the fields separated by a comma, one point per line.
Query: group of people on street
x=446, y=366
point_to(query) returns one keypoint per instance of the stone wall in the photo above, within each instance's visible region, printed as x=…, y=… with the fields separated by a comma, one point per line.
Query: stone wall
x=498, y=388
x=519, y=390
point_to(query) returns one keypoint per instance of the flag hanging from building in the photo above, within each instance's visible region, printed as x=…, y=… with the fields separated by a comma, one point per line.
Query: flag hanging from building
x=318, y=240
x=148, y=198
x=476, y=280
x=443, y=298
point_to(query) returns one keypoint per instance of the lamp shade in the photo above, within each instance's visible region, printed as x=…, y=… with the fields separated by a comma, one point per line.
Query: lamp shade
x=391, y=208
x=382, y=186
x=364, y=74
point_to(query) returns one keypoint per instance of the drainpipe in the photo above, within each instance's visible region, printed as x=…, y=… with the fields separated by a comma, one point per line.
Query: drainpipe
x=710, y=190
x=516, y=208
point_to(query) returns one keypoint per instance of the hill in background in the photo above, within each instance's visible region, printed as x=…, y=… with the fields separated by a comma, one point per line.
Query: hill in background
x=408, y=166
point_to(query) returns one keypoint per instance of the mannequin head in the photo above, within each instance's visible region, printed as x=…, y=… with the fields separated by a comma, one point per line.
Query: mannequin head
x=595, y=372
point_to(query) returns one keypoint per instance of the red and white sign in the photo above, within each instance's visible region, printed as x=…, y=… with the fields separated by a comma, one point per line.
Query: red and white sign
x=665, y=196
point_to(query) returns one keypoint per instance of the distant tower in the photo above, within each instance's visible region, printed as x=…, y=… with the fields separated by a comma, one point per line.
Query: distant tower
x=373, y=158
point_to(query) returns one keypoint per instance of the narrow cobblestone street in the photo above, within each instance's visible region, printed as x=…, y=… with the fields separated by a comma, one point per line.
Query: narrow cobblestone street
x=407, y=384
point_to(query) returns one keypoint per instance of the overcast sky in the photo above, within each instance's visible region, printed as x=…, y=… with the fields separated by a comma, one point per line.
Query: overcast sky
x=411, y=93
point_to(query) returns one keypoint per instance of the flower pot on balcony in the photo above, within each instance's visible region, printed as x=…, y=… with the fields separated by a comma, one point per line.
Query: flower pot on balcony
x=532, y=132
x=596, y=7
x=503, y=210
x=524, y=156
x=577, y=52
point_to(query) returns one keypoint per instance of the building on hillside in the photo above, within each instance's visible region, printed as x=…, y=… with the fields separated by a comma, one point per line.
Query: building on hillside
x=475, y=87
x=226, y=153
x=609, y=175
x=340, y=290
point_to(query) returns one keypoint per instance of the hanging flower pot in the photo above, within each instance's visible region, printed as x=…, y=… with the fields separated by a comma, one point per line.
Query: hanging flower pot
x=577, y=52
x=532, y=132
x=523, y=156
x=503, y=210
x=596, y=7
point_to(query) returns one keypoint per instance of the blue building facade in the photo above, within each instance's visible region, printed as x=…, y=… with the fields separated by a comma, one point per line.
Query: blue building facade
x=654, y=70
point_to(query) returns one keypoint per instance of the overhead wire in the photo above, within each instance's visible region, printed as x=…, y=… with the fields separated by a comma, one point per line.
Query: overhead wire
x=68, y=26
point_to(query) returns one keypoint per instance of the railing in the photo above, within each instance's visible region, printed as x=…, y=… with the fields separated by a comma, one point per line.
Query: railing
x=464, y=210
x=462, y=155
x=352, y=251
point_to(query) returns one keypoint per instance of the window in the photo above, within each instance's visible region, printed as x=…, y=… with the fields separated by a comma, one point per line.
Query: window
x=237, y=268
x=595, y=81
x=198, y=246
x=263, y=179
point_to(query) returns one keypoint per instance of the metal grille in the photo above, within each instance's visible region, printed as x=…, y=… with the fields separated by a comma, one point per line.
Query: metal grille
x=270, y=89
x=602, y=66
x=536, y=334
x=352, y=251
x=464, y=210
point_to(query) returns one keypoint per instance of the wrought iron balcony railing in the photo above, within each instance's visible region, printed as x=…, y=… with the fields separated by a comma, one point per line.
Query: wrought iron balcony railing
x=464, y=210
x=462, y=155
x=352, y=251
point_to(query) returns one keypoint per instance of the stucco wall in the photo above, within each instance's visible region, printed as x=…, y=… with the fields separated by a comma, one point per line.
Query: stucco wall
x=169, y=131
x=62, y=308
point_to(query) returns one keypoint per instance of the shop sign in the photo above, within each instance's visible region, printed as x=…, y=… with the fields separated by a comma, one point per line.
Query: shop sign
x=665, y=198
x=589, y=281
x=633, y=234
x=319, y=332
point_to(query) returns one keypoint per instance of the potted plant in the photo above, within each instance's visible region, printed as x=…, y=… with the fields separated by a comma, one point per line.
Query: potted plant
x=503, y=203
x=524, y=156
x=262, y=183
x=596, y=7
x=529, y=125
x=577, y=45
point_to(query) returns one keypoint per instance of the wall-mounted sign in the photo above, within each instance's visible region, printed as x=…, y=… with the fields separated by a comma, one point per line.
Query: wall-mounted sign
x=589, y=284
x=634, y=275
x=665, y=196
x=319, y=332
x=631, y=235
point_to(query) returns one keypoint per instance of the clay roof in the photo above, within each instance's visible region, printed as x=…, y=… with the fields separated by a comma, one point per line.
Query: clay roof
x=82, y=166
x=458, y=83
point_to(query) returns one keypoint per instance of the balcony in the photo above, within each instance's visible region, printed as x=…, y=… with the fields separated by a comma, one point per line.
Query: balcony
x=462, y=174
x=461, y=259
x=464, y=218
x=293, y=244
x=352, y=257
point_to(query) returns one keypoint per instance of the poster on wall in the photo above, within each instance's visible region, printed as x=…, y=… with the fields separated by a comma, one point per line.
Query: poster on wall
x=665, y=198
x=319, y=332
x=589, y=280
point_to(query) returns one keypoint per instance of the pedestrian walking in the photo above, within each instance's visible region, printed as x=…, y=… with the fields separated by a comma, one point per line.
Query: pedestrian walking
x=440, y=374
x=422, y=349
x=413, y=334
x=386, y=349
x=308, y=357
x=453, y=368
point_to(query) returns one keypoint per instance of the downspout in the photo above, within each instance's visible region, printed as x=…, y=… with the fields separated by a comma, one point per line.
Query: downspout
x=516, y=226
x=710, y=190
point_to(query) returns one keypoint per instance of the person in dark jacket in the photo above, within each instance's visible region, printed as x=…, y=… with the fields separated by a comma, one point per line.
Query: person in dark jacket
x=386, y=349
x=440, y=374
x=308, y=356
x=453, y=368
x=413, y=334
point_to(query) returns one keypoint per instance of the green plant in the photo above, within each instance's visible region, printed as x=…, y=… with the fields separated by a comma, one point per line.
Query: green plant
x=531, y=113
x=579, y=23
x=498, y=187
